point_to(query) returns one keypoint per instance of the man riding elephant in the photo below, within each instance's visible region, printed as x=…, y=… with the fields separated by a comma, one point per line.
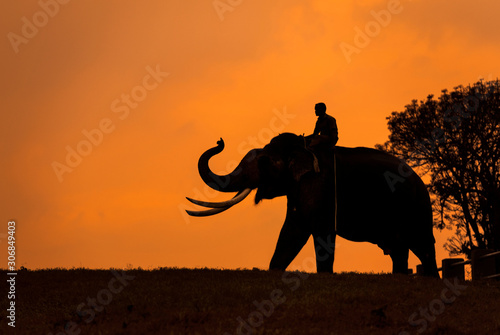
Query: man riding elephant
x=326, y=130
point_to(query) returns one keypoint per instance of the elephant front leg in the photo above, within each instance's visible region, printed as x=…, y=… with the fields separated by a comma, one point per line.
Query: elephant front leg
x=293, y=237
x=324, y=246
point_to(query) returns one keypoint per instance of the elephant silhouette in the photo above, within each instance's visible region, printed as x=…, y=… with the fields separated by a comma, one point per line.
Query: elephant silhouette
x=359, y=194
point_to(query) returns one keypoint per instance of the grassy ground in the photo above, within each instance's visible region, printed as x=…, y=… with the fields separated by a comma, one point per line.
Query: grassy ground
x=180, y=301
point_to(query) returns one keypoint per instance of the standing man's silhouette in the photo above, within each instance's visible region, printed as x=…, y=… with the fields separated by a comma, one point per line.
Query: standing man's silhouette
x=326, y=126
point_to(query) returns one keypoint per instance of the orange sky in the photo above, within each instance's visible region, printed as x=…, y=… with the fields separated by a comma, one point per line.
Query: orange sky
x=225, y=72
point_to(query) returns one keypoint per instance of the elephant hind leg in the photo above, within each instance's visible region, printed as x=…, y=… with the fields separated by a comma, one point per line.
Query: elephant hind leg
x=427, y=255
x=399, y=257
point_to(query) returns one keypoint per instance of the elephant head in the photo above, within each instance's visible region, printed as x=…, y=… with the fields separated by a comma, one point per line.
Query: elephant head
x=271, y=170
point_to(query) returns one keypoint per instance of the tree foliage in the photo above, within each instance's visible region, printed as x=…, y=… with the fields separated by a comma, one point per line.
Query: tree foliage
x=455, y=141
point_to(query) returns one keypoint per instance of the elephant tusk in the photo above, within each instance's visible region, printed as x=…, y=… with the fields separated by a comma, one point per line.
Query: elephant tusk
x=218, y=207
x=225, y=204
x=209, y=212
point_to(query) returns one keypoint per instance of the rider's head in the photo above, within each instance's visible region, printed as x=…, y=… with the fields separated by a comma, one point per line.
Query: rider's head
x=320, y=109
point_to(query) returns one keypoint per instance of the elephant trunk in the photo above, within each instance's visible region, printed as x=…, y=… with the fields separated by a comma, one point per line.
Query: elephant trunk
x=241, y=178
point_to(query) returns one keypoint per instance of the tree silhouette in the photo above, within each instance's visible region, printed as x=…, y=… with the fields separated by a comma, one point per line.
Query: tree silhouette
x=455, y=141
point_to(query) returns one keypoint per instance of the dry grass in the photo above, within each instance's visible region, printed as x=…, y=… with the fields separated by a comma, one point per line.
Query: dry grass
x=181, y=301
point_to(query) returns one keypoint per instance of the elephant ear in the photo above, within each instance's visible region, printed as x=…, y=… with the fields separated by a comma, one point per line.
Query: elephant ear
x=302, y=162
